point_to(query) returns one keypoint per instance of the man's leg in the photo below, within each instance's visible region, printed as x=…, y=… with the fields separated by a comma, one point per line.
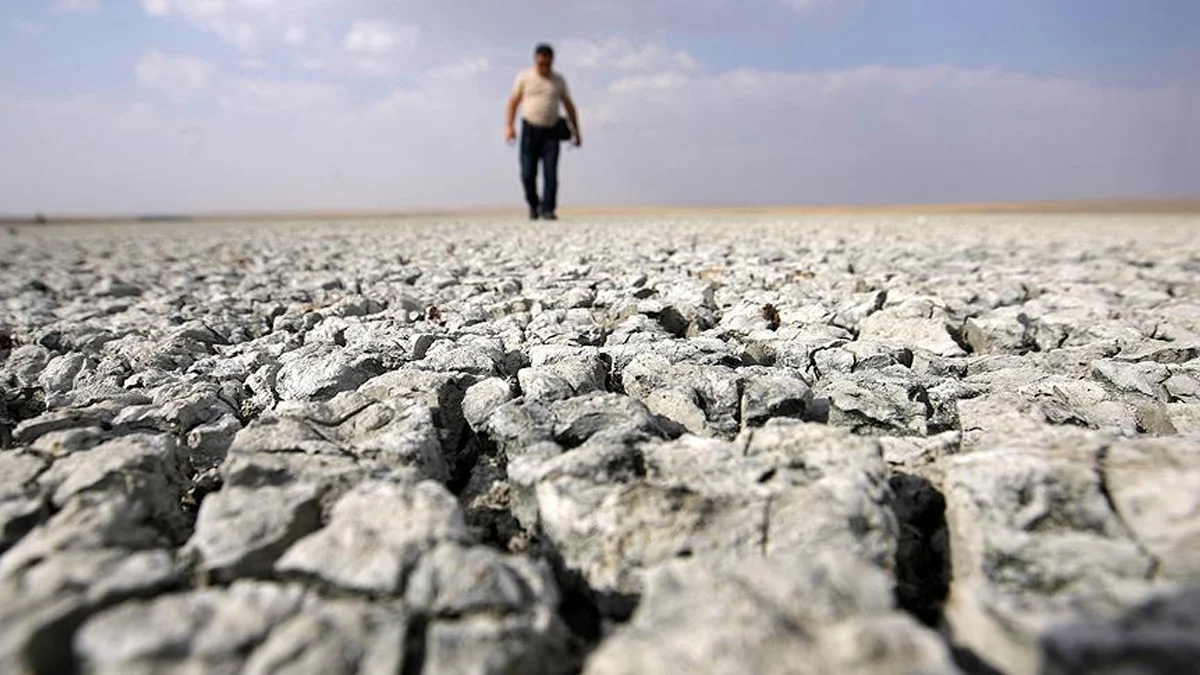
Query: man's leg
x=529, y=160
x=549, y=152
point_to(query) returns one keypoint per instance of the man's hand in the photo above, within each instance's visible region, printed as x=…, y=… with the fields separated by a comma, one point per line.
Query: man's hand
x=510, y=134
x=573, y=117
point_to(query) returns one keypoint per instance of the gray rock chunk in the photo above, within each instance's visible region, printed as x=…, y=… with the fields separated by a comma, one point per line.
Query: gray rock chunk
x=96, y=576
x=704, y=399
x=1003, y=330
x=637, y=329
x=1185, y=417
x=175, y=412
x=474, y=355
x=566, y=378
x=697, y=351
x=598, y=418
x=333, y=474
x=60, y=374
x=376, y=534
x=18, y=515
x=400, y=435
x=455, y=580
x=21, y=506
x=26, y=363
x=817, y=613
x=208, y=443
x=773, y=392
x=18, y=473
x=67, y=441
x=32, y=429
x=442, y=394
x=1035, y=545
x=113, y=287
x=1080, y=403
x=43, y=605
x=1144, y=378
x=922, y=455
x=86, y=523
x=199, y=332
x=240, y=532
x=1154, y=487
x=890, y=402
x=409, y=439
x=1183, y=385
x=142, y=468
x=911, y=332
x=210, y=630
x=482, y=398
x=490, y=613
x=1159, y=635
x=335, y=637
x=613, y=511
x=566, y=327
x=261, y=389
x=316, y=374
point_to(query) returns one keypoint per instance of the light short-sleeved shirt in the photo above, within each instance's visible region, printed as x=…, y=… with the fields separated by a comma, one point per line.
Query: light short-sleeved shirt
x=540, y=96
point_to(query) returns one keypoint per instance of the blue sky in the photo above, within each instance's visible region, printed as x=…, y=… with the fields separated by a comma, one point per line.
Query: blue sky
x=136, y=105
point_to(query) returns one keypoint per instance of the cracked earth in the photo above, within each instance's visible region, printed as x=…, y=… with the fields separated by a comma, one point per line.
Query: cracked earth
x=954, y=444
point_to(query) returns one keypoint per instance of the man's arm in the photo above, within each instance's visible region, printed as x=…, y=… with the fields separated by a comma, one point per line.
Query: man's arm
x=510, y=116
x=573, y=116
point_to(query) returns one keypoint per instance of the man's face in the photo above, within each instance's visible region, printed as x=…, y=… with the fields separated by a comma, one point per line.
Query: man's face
x=543, y=62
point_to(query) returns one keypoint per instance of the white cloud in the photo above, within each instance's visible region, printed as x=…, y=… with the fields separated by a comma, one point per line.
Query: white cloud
x=76, y=5
x=657, y=82
x=156, y=7
x=295, y=34
x=178, y=77
x=233, y=21
x=814, y=7
x=460, y=70
x=314, y=64
x=199, y=10
x=380, y=38
x=399, y=103
x=188, y=79
x=271, y=96
x=240, y=34
x=623, y=54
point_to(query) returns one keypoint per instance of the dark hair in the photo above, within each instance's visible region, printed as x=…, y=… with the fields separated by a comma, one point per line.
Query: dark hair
x=544, y=50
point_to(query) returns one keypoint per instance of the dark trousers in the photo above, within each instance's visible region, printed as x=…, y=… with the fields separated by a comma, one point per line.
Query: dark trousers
x=539, y=144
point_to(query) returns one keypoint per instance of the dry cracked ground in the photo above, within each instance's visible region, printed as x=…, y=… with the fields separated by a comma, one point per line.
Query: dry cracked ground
x=724, y=445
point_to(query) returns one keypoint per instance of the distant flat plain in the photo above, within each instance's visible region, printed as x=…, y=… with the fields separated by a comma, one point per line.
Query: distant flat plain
x=1081, y=207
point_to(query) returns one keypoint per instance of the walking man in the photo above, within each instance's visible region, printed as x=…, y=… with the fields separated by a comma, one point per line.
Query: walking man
x=540, y=92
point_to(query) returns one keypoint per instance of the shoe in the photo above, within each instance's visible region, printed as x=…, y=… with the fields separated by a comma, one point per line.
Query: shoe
x=549, y=216
x=533, y=215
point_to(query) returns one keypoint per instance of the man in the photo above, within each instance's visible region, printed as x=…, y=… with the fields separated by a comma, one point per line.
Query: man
x=539, y=92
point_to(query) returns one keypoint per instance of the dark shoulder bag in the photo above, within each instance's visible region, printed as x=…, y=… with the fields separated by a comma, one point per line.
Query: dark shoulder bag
x=562, y=130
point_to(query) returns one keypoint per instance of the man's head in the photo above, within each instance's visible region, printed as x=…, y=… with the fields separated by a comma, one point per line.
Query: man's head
x=543, y=58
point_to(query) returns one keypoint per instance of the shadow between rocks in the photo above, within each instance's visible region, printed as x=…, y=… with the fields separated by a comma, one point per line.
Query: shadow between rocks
x=587, y=613
x=923, y=572
x=923, y=550
x=18, y=405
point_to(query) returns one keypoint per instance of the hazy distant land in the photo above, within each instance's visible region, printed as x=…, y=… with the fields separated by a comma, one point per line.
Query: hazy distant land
x=1127, y=206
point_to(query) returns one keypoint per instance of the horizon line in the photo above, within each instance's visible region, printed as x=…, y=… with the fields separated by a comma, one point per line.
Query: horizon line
x=1062, y=206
